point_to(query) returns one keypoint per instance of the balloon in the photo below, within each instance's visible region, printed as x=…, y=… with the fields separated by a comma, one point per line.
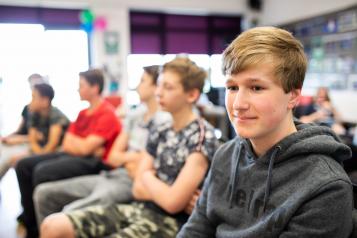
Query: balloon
x=86, y=16
x=87, y=27
x=100, y=23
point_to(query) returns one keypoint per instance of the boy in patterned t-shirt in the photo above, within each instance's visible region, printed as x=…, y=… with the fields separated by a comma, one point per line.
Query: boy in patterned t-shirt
x=177, y=159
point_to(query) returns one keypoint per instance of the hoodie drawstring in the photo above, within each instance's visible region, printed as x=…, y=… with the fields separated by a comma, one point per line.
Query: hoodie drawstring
x=234, y=179
x=269, y=178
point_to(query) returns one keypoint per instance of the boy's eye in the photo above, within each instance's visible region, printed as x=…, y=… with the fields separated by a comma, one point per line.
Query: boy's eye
x=167, y=87
x=232, y=88
x=257, y=88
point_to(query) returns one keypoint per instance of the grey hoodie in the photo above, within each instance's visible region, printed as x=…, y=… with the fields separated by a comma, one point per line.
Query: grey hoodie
x=297, y=189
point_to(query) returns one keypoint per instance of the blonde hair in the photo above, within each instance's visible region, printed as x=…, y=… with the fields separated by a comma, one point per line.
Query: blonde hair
x=192, y=76
x=268, y=45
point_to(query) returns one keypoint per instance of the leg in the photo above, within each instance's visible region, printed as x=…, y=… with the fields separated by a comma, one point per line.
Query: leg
x=24, y=170
x=51, y=197
x=6, y=153
x=147, y=223
x=56, y=226
x=131, y=220
x=95, y=221
x=113, y=187
x=67, y=167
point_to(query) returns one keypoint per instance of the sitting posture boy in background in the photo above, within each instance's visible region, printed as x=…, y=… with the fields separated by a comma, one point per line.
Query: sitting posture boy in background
x=114, y=186
x=85, y=147
x=47, y=125
x=17, y=142
x=169, y=174
x=277, y=178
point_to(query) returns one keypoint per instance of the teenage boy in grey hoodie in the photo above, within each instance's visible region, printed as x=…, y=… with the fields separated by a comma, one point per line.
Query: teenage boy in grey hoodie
x=278, y=177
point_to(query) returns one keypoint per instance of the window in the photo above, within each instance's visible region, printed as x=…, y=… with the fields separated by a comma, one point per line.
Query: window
x=27, y=49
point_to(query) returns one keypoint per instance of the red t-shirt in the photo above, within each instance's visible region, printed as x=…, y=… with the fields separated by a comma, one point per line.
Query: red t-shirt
x=102, y=122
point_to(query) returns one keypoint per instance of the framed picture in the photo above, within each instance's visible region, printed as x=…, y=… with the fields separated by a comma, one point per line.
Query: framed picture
x=111, y=42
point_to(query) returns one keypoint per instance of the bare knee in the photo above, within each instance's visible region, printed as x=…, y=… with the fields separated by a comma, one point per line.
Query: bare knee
x=56, y=226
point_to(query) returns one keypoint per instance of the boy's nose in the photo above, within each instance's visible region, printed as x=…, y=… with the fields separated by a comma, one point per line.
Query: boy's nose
x=158, y=91
x=240, y=101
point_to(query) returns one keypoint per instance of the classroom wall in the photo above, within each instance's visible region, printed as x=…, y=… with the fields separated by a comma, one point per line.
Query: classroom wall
x=278, y=12
x=274, y=12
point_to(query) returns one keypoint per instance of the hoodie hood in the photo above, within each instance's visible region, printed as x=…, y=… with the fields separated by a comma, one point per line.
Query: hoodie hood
x=309, y=139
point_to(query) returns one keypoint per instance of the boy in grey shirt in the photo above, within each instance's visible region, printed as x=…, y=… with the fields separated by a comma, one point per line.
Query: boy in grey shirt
x=278, y=177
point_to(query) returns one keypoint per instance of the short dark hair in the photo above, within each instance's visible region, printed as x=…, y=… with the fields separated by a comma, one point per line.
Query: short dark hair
x=45, y=90
x=94, y=77
x=153, y=71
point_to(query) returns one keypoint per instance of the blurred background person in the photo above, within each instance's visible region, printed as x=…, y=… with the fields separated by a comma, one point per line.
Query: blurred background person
x=322, y=111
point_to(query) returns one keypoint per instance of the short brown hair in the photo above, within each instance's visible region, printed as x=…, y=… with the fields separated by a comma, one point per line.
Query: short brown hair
x=268, y=45
x=153, y=71
x=192, y=76
x=94, y=77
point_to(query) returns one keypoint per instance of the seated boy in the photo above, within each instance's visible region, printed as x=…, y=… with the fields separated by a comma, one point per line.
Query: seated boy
x=169, y=174
x=85, y=147
x=17, y=142
x=277, y=178
x=46, y=127
x=113, y=186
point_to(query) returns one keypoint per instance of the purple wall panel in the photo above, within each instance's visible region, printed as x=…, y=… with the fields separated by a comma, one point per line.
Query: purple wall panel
x=226, y=23
x=145, y=44
x=144, y=19
x=193, y=43
x=171, y=33
x=18, y=15
x=59, y=16
x=186, y=22
x=45, y=16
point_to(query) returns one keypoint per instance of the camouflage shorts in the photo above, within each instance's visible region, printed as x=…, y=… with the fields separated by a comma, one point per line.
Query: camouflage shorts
x=122, y=221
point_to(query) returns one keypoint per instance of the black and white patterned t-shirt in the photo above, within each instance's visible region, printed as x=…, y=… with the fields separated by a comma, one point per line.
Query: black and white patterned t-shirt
x=170, y=149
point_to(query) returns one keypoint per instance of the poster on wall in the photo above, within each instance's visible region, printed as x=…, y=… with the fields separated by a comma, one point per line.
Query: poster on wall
x=111, y=42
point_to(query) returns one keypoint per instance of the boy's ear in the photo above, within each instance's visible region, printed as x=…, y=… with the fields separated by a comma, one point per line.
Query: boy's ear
x=294, y=98
x=193, y=95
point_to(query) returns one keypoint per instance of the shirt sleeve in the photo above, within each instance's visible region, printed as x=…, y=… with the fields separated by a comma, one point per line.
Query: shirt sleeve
x=57, y=117
x=207, y=145
x=26, y=124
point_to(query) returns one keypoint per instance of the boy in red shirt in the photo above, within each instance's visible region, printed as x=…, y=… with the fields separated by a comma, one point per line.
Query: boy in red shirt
x=85, y=147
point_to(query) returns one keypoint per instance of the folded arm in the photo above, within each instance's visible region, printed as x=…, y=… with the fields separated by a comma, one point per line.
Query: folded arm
x=174, y=198
x=79, y=146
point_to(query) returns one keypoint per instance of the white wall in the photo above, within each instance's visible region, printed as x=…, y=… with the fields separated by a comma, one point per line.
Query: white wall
x=277, y=12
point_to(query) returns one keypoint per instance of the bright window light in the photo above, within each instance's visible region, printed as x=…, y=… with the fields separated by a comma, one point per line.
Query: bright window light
x=136, y=62
x=66, y=52
x=216, y=77
x=27, y=49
